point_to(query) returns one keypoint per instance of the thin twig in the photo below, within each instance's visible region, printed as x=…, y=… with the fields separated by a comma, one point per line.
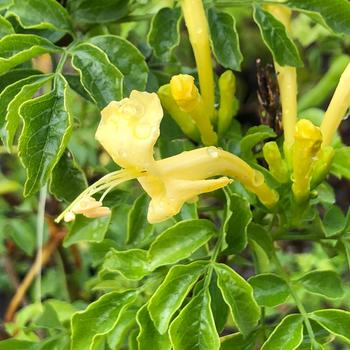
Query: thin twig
x=57, y=235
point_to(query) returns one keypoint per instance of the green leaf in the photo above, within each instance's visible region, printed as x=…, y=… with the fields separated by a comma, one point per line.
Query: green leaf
x=170, y=295
x=334, y=321
x=92, y=62
x=288, y=334
x=10, y=92
x=139, y=229
x=132, y=264
x=99, y=318
x=117, y=336
x=75, y=84
x=236, y=223
x=93, y=11
x=224, y=39
x=47, y=127
x=194, y=328
x=237, y=341
x=269, y=289
x=238, y=295
x=86, y=229
x=276, y=38
x=5, y=27
x=18, y=48
x=255, y=135
x=5, y=4
x=164, y=41
x=48, y=14
x=22, y=234
x=15, y=344
x=324, y=283
x=335, y=13
x=15, y=75
x=25, y=94
x=180, y=241
x=341, y=162
x=67, y=178
x=149, y=337
x=333, y=222
x=127, y=58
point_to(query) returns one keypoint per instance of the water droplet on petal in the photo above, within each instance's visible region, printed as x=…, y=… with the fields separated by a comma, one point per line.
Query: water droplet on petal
x=213, y=152
x=69, y=216
x=143, y=131
x=258, y=178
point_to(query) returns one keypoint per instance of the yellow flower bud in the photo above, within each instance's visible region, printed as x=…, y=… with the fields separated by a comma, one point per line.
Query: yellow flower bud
x=277, y=166
x=322, y=165
x=228, y=102
x=308, y=139
x=187, y=97
x=183, y=119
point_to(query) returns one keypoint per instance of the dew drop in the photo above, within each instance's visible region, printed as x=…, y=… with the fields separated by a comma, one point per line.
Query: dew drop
x=213, y=152
x=258, y=179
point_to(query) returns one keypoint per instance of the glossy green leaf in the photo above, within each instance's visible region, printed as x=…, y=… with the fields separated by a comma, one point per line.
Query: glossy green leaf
x=41, y=14
x=334, y=221
x=224, y=39
x=67, y=179
x=194, y=328
x=170, y=295
x=86, y=229
x=100, y=317
x=25, y=94
x=334, y=321
x=92, y=62
x=288, y=334
x=132, y=263
x=5, y=4
x=127, y=58
x=18, y=48
x=75, y=84
x=120, y=332
x=180, y=241
x=5, y=27
x=15, y=75
x=253, y=136
x=276, y=38
x=341, y=162
x=93, y=11
x=238, y=295
x=236, y=341
x=164, y=41
x=236, y=223
x=149, y=337
x=324, y=283
x=335, y=13
x=47, y=126
x=269, y=289
x=10, y=92
x=139, y=229
x=218, y=305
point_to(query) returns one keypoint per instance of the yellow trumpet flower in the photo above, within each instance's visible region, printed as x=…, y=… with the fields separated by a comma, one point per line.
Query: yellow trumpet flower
x=128, y=131
x=337, y=108
x=197, y=26
x=277, y=166
x=308, y=139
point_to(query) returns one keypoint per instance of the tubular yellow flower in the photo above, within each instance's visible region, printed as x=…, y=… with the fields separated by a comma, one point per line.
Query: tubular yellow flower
x=277, y=166
x=337, y=108
x=183, y=119
x=228, y=102
x=187, y=97
x=308, y=139
x=169, y=182
x=197, y=25
x=287, y=82
x=322, y=165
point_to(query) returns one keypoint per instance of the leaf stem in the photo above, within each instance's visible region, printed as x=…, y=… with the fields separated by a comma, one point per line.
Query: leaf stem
x=298, y=302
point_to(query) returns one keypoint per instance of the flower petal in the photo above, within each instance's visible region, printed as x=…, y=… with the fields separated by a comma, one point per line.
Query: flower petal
x=129, y=129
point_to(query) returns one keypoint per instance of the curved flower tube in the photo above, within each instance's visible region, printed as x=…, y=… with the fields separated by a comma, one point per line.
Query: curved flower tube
x=128, y=131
